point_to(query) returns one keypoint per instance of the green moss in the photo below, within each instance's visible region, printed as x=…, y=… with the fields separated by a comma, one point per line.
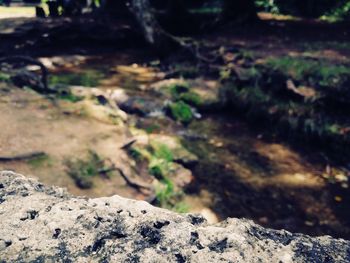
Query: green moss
x=4, y=77
x=180, y=111
x=70, y=97
x=182, y=92
x=168, y=197
x=40, y=161
x=177, y=89
x=152, y=128
x=191, y=98
x=160, y=161
x=88, y=78
x=310, y=71
x=82, y=171
x=162, y=151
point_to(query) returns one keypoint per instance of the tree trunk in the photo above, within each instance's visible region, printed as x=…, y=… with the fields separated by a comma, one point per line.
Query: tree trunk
x=240, y=10
x=153, y=33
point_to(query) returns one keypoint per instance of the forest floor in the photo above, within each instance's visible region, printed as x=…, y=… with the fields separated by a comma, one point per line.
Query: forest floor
x=241, y=170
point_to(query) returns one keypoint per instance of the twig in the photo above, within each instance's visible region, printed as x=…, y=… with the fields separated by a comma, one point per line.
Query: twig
x=130, y=182
x=128, y=144
x=22, y=157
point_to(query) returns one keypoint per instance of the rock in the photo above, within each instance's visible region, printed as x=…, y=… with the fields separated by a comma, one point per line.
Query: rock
x=141, y=106
x=28, y=79
x=95, y=110
x=203, y=94
x=181, y=176
x=208, y=92
x=115, y=229
x=162, y=87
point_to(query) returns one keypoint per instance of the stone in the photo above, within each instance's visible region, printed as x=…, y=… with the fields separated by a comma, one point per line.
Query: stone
x=115, y=229
x=141, y=106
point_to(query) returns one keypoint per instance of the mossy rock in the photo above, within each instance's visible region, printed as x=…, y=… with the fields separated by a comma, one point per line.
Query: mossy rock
x=181, y=111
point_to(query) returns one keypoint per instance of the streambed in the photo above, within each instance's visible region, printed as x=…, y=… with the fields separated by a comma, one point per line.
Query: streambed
x=241, y=171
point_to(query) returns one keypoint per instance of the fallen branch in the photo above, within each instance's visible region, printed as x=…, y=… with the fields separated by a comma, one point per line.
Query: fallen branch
x=22, y=157
x=129, y=181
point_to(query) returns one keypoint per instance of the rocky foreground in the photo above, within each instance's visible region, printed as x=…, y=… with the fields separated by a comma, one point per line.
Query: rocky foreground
x=39, y=223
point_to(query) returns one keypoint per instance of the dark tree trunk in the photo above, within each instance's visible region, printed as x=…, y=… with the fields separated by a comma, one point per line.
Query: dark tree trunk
x=241, y=10
x=152, y=31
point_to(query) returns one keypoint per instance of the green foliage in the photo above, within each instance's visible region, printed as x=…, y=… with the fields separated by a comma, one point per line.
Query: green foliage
x=89, y=78
x=160, y=160
x=152, y=128
x=267, y=6
x=309, y=71
x=191, y=98
x=177, y=89
x=162, y=151
x=68, y=96
x=4, y=77
x=168, y=198
x=340, y=12
x=181, y=111
x=40, y=161
x=182, y=92
x=82, y=171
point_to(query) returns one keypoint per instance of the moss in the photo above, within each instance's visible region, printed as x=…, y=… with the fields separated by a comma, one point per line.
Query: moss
x=160, y=161
x=168, y=197
x=4, y=77
x=70, y=97
x=40, y=161
x=152, y=128
x=182, y=92
x=89, y=78
x=191, y=98
x=181, y=111
x=177, y=89
x=310, y=71
x=162, y=151
x=82, y=171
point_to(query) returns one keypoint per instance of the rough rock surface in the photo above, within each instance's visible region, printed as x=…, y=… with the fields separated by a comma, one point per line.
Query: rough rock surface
x=45, y=224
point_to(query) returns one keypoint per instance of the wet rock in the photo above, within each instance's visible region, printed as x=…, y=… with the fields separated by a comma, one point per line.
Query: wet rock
x=181, y=176
x=203, y=94
x=95, y=110
x=28, y=79
x=133, y=231
x=141, y=106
